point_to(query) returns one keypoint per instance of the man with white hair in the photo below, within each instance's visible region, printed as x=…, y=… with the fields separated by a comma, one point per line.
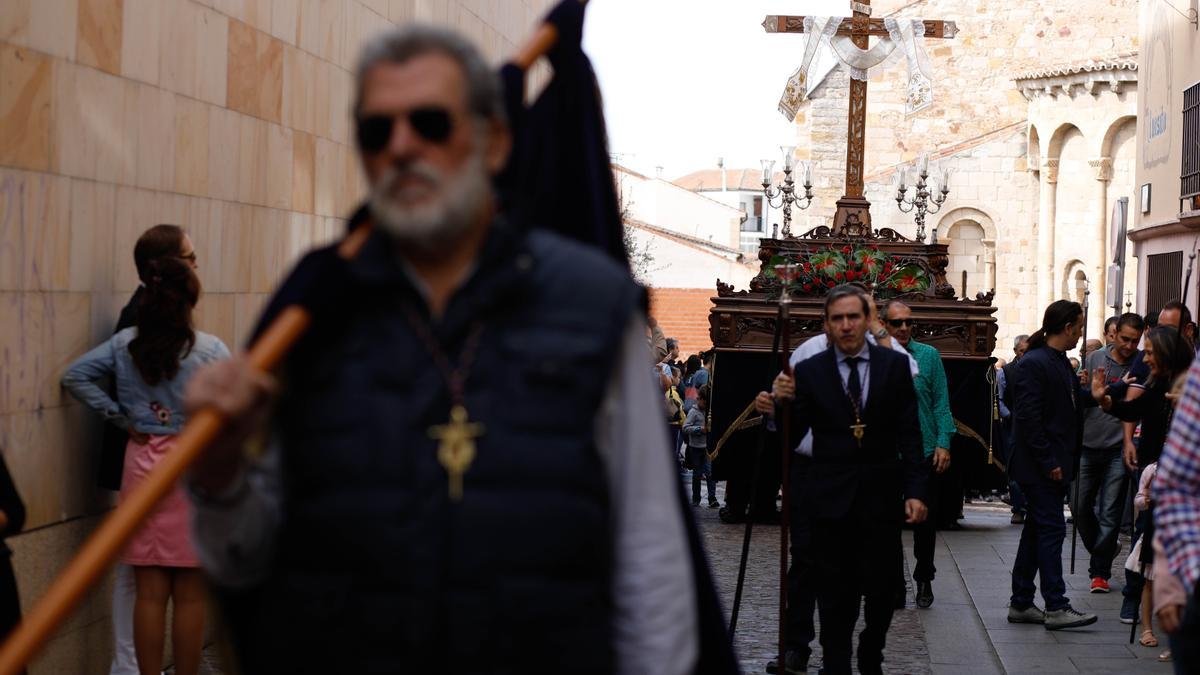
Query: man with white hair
x=456, y=477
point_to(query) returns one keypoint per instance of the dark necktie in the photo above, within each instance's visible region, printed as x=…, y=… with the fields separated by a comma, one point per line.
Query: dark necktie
x=853, y=384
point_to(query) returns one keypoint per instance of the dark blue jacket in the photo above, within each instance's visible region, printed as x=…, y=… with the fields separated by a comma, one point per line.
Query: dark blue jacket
x=376, y=571
x=1046, y=399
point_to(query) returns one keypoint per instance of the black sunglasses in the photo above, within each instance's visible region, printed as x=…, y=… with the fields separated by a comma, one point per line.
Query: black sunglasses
x=896, y=323
x=431, y=123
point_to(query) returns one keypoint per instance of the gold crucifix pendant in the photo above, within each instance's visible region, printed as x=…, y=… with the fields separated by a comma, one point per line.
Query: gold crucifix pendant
x=456, y=448
x=858, y=428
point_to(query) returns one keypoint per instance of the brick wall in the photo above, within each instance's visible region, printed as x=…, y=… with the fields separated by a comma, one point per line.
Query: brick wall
x=683, y=314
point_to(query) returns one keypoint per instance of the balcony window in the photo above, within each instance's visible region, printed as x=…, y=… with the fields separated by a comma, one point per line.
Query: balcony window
x=1189, y=192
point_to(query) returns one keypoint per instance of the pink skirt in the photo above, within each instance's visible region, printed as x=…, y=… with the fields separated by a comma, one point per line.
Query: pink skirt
x=165, y=539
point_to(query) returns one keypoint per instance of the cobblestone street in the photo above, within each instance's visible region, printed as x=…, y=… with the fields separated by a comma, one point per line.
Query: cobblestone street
x=758, y=622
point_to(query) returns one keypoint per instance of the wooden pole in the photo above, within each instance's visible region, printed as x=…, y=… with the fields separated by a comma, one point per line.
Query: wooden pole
x=785, y=441
x=103, y=546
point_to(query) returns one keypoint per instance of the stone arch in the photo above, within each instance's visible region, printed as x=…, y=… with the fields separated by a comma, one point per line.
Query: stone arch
x=970, y=238
x=968, y=213
x=967, y=252
x=1075, y=275
x=1115, y=127
x=1054, y=147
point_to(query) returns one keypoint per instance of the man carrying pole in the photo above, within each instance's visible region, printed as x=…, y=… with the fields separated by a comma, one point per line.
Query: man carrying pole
x=457, y=477
x=858, y=401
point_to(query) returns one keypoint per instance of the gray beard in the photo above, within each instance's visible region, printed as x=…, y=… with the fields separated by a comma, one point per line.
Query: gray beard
x=433, y=229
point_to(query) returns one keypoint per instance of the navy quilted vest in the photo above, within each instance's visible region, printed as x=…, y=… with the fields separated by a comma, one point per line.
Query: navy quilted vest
x=376, y=570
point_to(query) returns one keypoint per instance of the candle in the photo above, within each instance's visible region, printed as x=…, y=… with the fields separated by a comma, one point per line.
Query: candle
x=768, y=167
x=946, y=179
x=807, y=173
x=789, y=159
x=924, y=164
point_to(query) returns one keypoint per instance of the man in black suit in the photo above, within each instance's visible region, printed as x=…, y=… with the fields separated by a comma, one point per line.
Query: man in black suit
x=1046, y=398
x=866, y=474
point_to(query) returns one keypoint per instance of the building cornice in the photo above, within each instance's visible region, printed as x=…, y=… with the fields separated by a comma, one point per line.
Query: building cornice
x=1117, y=74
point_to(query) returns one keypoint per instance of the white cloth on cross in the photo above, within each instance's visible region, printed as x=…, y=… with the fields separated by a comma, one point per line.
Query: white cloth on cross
x=909, y=34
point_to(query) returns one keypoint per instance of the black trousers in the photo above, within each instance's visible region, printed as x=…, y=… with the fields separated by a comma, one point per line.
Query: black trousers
x=802, y=582
x=854, y=561
x=925, y=534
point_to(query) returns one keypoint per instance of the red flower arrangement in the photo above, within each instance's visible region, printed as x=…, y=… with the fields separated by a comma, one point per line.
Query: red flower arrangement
x=815, y=272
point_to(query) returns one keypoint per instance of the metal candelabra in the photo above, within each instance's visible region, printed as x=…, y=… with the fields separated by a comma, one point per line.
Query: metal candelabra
x=785, y=192
x=926, y=200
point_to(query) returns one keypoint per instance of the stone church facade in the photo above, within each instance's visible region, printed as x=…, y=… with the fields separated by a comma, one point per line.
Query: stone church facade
x=1034, y=116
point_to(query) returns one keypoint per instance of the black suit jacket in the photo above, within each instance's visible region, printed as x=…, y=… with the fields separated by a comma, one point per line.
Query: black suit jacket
x=845, y=479
x=1046, y=416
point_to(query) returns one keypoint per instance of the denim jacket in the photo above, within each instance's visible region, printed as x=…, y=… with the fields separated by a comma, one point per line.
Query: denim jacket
x=147, y=409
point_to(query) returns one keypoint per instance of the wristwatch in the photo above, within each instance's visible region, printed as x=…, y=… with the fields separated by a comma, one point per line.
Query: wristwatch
x=881, y=333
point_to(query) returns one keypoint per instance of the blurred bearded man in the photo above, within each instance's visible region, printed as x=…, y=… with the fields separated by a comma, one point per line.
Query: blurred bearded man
x=455, y=475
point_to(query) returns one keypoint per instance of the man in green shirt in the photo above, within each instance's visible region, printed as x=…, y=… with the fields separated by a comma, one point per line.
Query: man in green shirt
x=937, y=428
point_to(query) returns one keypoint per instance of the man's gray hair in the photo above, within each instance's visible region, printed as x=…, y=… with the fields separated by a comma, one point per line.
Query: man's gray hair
x=1019, y=339
x=844, y=291
x=485, y=95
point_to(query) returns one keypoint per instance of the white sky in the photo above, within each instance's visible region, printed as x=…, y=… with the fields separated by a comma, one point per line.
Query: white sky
x=687, y=81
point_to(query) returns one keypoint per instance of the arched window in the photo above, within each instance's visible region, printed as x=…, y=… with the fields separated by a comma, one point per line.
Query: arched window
x=1074, y=282
x=967, y=250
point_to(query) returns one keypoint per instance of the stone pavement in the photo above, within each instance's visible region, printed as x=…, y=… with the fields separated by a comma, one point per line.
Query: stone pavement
x=975, y=637
x=966, y=631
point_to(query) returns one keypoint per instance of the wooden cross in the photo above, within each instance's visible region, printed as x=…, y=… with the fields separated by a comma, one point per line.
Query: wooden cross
x=853, y=210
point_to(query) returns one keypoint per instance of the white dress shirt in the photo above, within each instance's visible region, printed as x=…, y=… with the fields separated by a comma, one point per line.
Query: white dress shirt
x=817, y=345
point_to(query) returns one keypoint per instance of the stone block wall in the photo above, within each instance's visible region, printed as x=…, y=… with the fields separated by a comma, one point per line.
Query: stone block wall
x=973, y=88
x=989, y=186
x=228, y=117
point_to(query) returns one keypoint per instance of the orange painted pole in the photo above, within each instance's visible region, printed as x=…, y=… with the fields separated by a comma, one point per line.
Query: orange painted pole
x=103, y=546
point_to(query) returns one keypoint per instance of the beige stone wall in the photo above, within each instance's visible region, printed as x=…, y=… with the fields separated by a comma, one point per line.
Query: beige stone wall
x=973, y=89
x=229, y=117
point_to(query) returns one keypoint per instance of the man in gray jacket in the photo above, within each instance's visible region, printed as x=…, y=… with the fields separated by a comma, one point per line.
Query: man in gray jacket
x=1101, y=469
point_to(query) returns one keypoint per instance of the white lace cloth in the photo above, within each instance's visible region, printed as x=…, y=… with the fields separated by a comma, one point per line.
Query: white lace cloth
x=909, y=34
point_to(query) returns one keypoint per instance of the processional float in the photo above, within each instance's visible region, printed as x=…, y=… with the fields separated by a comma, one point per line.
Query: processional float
x=747, y=327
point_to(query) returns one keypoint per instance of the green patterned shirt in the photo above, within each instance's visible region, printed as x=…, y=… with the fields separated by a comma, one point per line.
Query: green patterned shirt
x=933, y=398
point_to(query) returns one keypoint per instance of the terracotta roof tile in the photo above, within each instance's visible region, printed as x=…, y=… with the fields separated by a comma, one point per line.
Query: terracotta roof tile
x=709, y=180
x=1125, y=61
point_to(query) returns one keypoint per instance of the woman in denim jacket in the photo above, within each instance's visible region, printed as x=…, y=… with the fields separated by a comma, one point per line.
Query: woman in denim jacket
x=150, y=364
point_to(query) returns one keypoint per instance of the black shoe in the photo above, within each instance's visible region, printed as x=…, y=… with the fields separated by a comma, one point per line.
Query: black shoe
x=901, y=600
x=714, y=504
x=729, y=516
x=924, y=594
x=696, y=502
x=795, y=664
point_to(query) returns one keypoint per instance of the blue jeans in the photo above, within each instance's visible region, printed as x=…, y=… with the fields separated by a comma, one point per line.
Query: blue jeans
x=1040, y=550
x=1101, y=499
x=698, y=462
